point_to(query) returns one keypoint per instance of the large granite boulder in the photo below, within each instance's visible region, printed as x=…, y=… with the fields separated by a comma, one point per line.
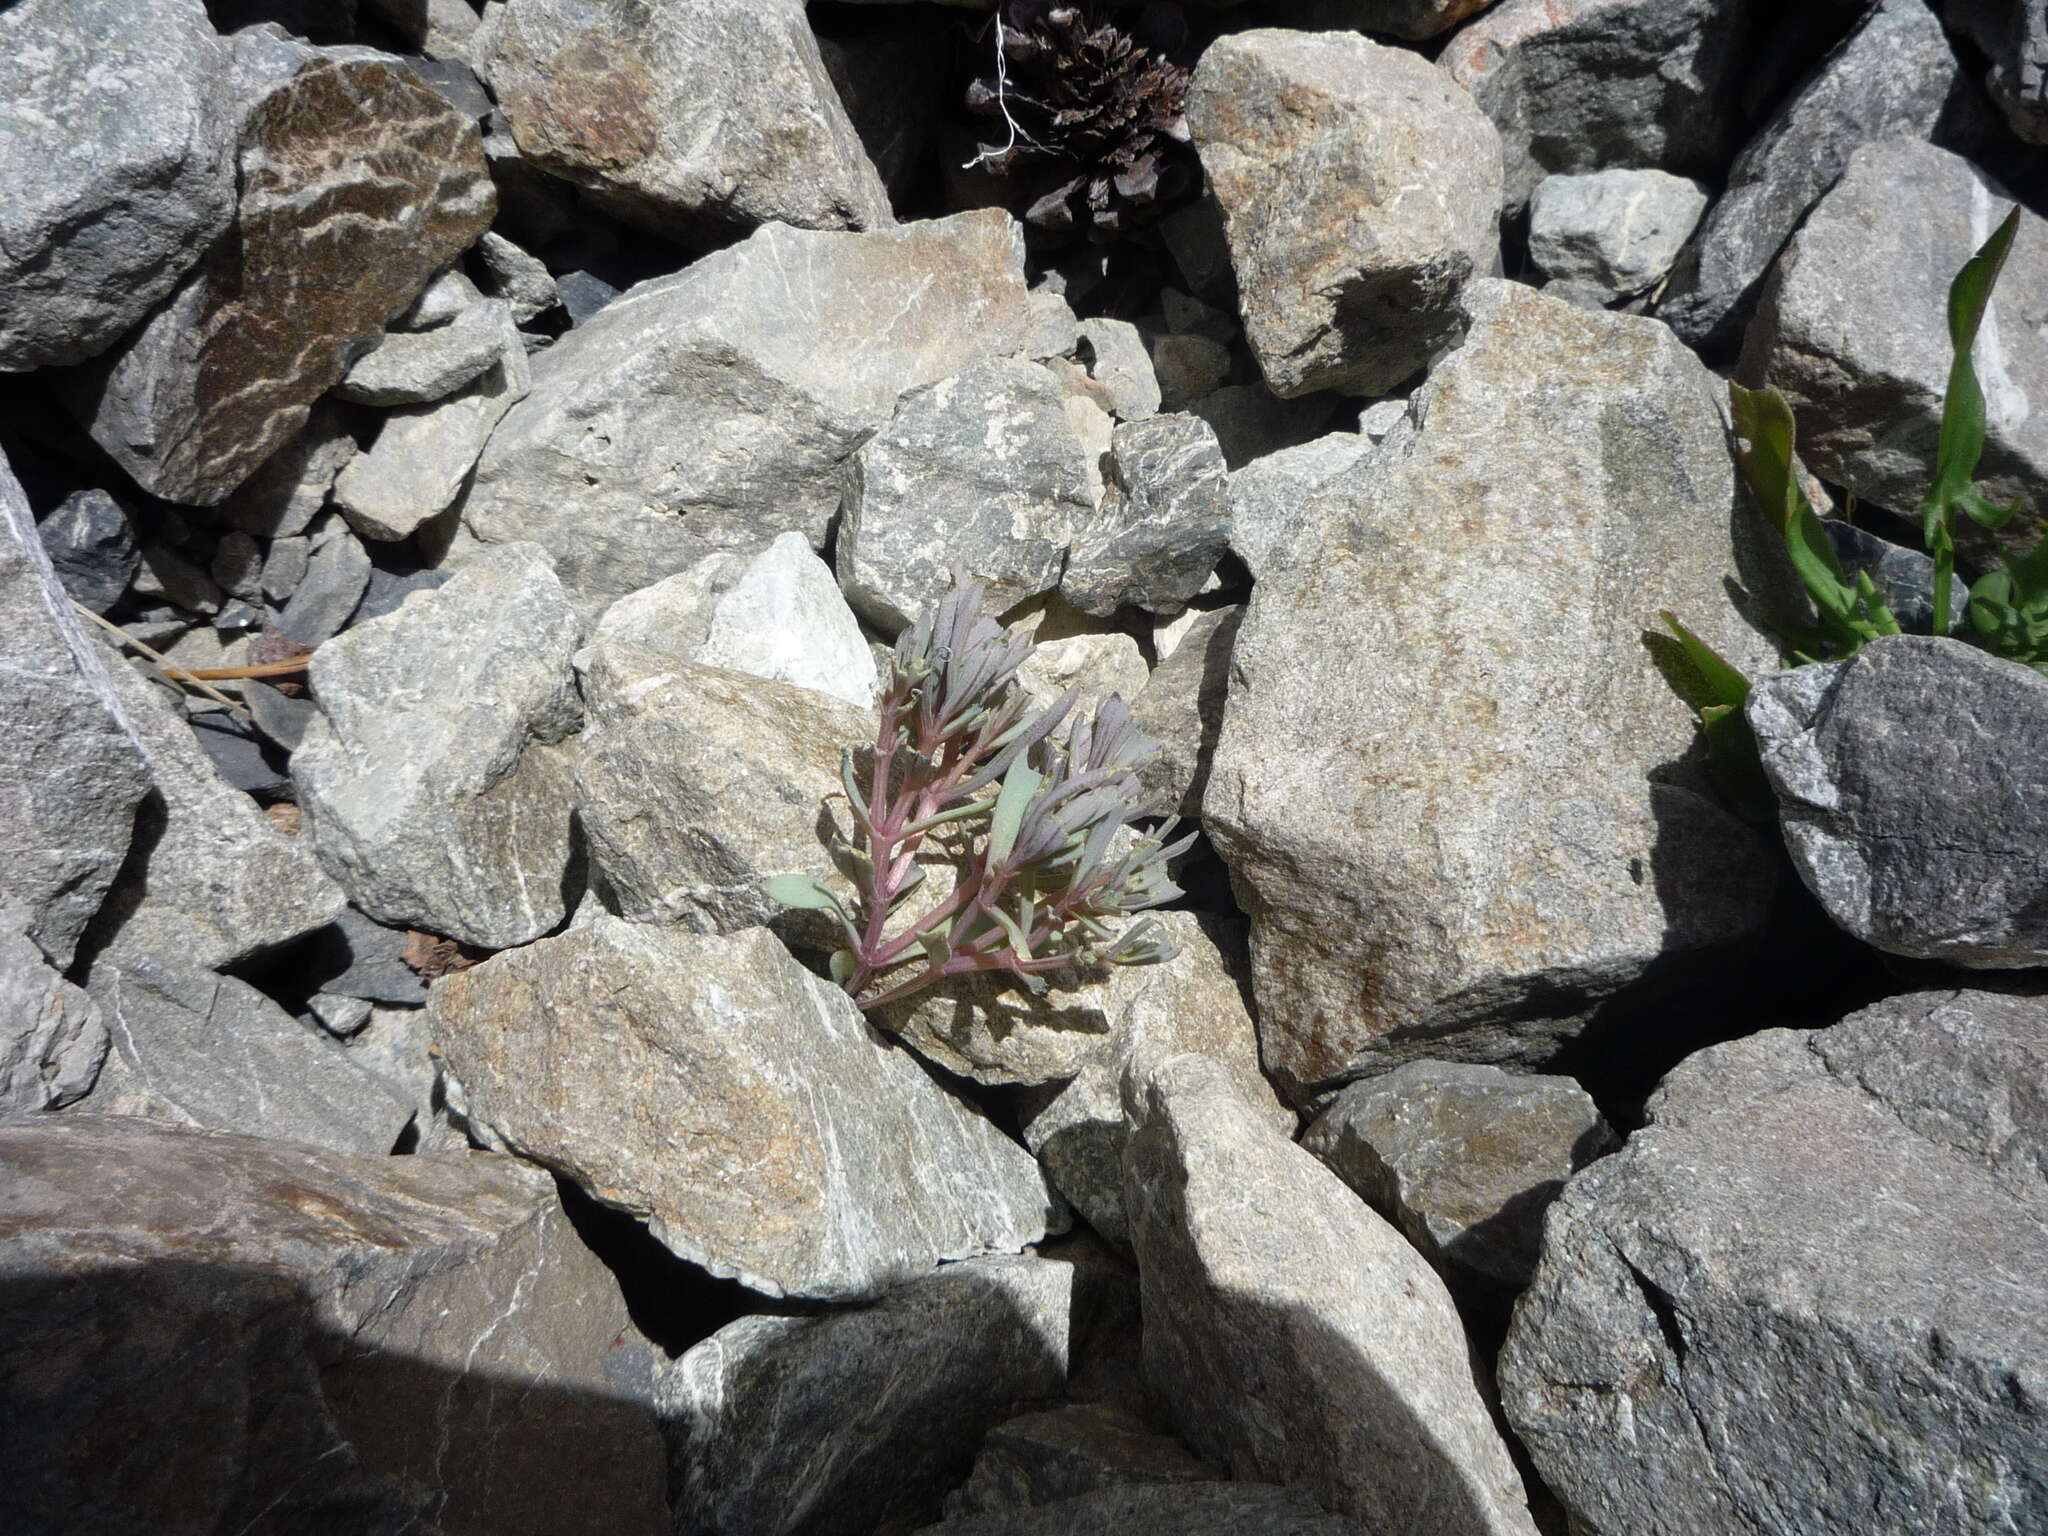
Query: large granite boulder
x=1360, y=190
x=205, y=1332
x=1458, y=798
x=742, y=1106
x=696, y=119
x=71, y=774
x=434, y=790
x=227, y=370
x=1805, y=1296
x=1575, y=85
x=849, y=1421
x=982, y=473
x=117, y=164
x=1292, y=1335
x=1853, y=327
x=1913, y=793
x=1893, y=74
x=716, y=408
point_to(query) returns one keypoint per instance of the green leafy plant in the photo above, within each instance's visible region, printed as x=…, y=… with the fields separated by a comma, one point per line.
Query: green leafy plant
x=2007, y=612
x=1047, y=859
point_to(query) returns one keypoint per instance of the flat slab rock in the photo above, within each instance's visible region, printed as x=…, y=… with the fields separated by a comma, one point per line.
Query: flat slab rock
x=1806, y=1297
x=1913, y=794
x=275, y=1337
x=1459, y=809
x=842, y=1423
x=1184, y=1509
x=1292, y=1335
x=739, y=1104
x=227, y=371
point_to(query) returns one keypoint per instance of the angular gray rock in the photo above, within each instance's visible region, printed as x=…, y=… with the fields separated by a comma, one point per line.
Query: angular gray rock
x=1269, y=496
x=697, y=119
x=982, y=471
x=1575, y=85
x=2014, y=33
x=1914, y=797
x=1151, y=1509
x=1250, y=421
x=283, y=496
x=1065, y=1452
x=118, y=164
x=509, y=273
x=1122, y=367
x=740, y=1105
x=91, y=546
x=1295, y=1337
x=1453, y=788
x=892, y=1399
x=325, y=596
x=1163, y=524
x=1803, y=1298
x=194, y=1048
x=1192, y=1003
x=784, y=619
x=279, y=1337
x=1181, y=708
x=52, y=1038
x=1893, y=74
x=695, y=785
x=71, y=775
x=1619, y=229
x=431, y=785
x=1361, y=190
x=418, y=367
x=235, y=884
x=416, y=468
x=225, y=372
x=1853, y=327
x=715, y=409
x=1465, y=1159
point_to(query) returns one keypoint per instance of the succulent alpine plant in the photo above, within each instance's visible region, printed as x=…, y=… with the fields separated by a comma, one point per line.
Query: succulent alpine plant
x=1092, y=115
x=1048, y=864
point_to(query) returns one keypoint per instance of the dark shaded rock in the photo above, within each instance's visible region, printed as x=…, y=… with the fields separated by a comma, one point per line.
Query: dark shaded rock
x=583, y=294
x=1062, y=1453
x=1574, y=85
x=1893, y=74
x=1913, y=794
x=281, y=498
x=1807, y=1288
x=388, y=590
x=71, y=775
x=280, y=718
x=226, y=372
x=275, y=1337
x=2015, y=35
x=117, y=163
x=1189, y=1509
x=1904, y=578
x=1292, y=1335
x=357, y=956
x=1164, y=522
x=325, y=597
x=1181, y=708
x=893, y=1398
x=91, y=546
x=1465, y=1160
x=235, y=747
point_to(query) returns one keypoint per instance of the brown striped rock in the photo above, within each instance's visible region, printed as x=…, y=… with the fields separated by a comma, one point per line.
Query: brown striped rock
x=358, y=183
